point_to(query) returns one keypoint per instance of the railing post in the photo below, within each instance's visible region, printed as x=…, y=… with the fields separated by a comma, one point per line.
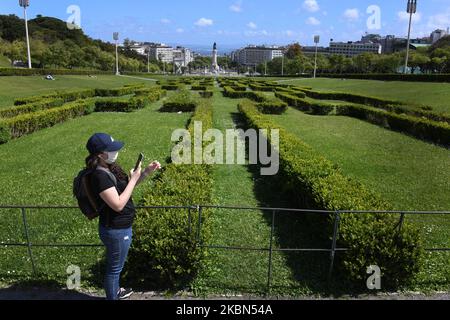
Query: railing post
x=272, y=230
x=333, y=245
x=400, y=224
x=199, y=208
x=189, y=221
x=27, y=235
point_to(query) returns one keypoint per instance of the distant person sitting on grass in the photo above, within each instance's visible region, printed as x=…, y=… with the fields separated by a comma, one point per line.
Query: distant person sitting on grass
x=113, y=189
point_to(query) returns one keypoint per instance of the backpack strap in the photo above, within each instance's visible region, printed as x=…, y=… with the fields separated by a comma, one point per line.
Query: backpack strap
x=114, y=180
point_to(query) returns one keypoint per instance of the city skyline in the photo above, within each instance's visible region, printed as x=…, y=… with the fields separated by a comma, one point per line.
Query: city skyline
x=236, y=23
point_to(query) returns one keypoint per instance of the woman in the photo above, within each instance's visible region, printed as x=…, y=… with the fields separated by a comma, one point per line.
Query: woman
x=117, y=210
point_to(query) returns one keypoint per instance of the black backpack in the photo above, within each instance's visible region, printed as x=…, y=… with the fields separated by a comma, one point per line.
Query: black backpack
x=82, y=190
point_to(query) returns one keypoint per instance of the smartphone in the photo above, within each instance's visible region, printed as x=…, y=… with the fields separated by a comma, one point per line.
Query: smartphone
x=139, y=161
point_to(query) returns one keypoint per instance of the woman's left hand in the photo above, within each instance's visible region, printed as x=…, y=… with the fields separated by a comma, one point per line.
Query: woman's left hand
x=155, y=165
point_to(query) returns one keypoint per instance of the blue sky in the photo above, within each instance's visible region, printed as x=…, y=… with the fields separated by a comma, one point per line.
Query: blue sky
x=240, y=22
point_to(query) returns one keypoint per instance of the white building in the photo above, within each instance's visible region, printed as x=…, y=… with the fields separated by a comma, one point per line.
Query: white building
x=436, y=35
x=182, y=56
x=351, y=49
x=161, y=52
x=255, y=55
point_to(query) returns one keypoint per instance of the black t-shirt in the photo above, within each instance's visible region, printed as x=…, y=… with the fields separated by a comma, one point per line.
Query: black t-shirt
x=101, y=181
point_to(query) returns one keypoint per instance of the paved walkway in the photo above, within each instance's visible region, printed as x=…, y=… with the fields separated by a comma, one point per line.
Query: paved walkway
x=11, y=293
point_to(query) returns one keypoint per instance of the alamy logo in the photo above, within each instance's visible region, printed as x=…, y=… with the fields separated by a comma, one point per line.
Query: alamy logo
x=74, y=279
x=74, y=20
x=374, y=281
x=233, y=144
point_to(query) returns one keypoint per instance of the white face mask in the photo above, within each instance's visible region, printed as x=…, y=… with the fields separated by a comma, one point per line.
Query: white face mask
x=112, y=157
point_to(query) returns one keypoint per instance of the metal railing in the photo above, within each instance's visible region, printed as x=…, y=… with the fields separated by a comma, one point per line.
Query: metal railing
x=332, y=249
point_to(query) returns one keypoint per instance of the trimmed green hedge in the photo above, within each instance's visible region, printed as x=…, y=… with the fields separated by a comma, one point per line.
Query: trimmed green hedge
x=5, y=132
x=206, y=94
x=317, y=183
x=183, y=101
x=28, y=108
x=128, y=105
x=272, y=106
x=164, y=251
x=424, y=129
x=393, y=77
x=229, y=92
x=67, y=96
x=35, y=72
x=31, y=122
x=350, y=97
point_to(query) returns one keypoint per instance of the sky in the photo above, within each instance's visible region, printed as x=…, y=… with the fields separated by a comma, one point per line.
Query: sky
x=235, y=23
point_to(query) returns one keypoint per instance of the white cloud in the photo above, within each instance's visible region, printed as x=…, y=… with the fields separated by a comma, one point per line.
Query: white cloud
x=256, y=33
x=289, y=33
x=180, y=30
x=165, y=21
x=351, y=14
x=237, y=7
x=404, y=16
x=312, y=21
x=252, y=25
x=203, y=22
x=311, y=5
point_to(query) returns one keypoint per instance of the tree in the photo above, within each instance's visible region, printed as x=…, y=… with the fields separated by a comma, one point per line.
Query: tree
x=418, y=60
x=294, y=51
x=15, y=51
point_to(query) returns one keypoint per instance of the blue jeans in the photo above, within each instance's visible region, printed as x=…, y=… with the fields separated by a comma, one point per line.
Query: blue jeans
x=117, y=243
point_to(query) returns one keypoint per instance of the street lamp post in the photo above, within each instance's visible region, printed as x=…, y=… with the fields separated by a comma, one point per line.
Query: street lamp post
x=25, y=4
x=282, y=65
x=316, y=41
x=116, y=38
x=148, y=60
x=411, y=9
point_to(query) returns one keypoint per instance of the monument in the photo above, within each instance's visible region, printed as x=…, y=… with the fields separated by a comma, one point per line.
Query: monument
x=214, y=66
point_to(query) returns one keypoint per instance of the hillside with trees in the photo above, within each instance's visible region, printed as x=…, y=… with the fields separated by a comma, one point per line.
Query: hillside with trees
x=53, y=45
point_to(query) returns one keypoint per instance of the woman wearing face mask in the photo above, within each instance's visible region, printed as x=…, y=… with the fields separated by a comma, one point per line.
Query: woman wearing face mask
x=117, y=210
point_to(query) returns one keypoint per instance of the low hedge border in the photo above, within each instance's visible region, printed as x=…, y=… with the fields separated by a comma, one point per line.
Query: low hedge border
x=423, y=129
x=206, y=94
x=28, y=108
x=164, y=251
x=229, y=92
x=35, y=72
x=183, y=101
x=272, y=106
x=371, y=239
x=31, y=122
x=392, y=77
x=126, y=105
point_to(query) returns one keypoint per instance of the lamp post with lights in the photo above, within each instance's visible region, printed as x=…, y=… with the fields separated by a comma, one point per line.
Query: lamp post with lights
x=25, y=4
x=411, y=9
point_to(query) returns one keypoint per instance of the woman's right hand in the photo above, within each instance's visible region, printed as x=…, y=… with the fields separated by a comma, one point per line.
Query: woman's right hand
x=135, y=175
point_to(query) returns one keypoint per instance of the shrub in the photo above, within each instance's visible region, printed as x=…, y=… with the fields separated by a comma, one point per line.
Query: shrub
x=31, y=122
x=128, y=105
x=199, y=88
x=182, y=101
x=255, y=96
x=393, y=77
x=206, y=94
x=272, y=106
x=5, y=134
x=315, y=182
x=164, y=251
x=32, y=107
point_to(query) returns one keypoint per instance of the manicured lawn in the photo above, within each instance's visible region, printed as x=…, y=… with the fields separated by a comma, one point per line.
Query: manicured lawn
x=436, y=95
x=16, y=87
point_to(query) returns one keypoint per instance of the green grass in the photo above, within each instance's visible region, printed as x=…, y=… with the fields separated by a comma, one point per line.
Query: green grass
x=233, y=272
x=15, y=87
x=4, y=62
x=436, y=95
x=40, y=169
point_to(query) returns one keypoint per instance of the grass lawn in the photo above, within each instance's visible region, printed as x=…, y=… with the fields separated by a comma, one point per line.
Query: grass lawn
x=15, y=87
x=38, y=169
x=436, y=95
x=4, y=62
x=232, y=272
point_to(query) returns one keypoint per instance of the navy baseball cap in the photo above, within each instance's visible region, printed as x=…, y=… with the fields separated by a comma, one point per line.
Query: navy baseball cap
x=102, y=142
